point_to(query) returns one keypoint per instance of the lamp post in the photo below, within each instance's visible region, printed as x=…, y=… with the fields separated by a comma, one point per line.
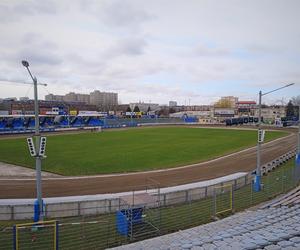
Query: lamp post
x=38, y=159
x=257, y=180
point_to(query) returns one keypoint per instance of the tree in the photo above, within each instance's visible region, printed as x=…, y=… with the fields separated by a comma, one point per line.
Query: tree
x=296, y=100
x=172, y=110
x=290, y=109
x=149, y=109
x=223, y=103
x=136, y=109
x=128, y=109
x=163, y=111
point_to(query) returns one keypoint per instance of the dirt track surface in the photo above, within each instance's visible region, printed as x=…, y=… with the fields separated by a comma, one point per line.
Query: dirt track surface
x=244, y=161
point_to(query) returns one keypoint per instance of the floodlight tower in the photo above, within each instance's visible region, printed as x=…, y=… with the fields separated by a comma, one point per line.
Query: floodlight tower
x=38, y=158
x=257, y=180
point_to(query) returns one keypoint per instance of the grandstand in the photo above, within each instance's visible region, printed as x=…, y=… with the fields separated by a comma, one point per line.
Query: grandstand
x=26, y=123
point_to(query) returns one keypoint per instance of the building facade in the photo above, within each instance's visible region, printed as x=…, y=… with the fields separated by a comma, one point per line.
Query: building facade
x=143, y=106
x=272, y=113
x=51, y=97
x=172, y=103
x=105, y=100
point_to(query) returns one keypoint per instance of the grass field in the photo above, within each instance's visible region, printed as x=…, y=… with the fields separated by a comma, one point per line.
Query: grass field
x=131, y=150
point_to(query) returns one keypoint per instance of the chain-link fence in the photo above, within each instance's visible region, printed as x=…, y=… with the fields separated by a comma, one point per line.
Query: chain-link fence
x=168, y=213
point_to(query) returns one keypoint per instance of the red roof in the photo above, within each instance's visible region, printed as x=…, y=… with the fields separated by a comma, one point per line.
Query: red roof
x=246, y=102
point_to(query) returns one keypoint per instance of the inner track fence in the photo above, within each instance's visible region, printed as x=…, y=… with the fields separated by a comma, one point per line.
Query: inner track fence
x=149, y=217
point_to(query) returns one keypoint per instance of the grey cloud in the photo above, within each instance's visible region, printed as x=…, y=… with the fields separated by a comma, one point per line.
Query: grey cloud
x=32, y=39
x=206, y=52
x=132, y=46
x=14, y=11
x=39, y=56
x=117, y=13
x=5, y=13
x=35, y=7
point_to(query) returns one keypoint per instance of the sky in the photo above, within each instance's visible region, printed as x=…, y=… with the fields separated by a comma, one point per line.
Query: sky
x=189, y=51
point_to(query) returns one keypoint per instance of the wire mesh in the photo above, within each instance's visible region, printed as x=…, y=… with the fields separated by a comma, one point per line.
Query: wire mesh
x=40, y=235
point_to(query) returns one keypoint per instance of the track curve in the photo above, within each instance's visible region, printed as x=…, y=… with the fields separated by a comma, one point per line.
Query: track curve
x=243, y=161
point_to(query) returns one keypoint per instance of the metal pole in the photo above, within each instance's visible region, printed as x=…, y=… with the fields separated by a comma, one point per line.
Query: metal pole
x=298, y=151
x=258, y=162
x=38, y=161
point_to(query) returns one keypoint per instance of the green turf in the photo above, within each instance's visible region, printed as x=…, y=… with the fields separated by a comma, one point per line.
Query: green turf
x=131, y=150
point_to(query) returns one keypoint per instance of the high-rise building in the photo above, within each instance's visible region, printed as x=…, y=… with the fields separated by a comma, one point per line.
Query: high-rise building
x=105, y=100
x=52, y=97
x=172, y=103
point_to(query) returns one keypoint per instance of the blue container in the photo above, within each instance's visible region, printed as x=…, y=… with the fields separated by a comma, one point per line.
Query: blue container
x=126, y=218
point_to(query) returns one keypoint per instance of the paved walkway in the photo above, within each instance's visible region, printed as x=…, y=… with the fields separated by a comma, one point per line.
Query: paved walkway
x=12, y=171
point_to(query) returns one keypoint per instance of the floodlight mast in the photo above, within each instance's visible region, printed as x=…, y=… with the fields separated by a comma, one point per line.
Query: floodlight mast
x=257, y=181
x=38, y=159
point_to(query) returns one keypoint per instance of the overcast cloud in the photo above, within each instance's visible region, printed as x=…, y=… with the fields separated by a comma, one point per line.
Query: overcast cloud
x=157, y=50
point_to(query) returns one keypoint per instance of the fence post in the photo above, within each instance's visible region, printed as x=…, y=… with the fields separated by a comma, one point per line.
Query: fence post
x=282, y=174
x=56, y=235
x=251, y=192
x=12, y=212
x=15, y=237
x=186, y=195
x=78, y=208
x=232, y=201
x=214, y=203
x=109, y=205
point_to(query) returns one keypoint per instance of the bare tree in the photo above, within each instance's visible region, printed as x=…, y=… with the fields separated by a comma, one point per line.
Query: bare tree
x=296, y=100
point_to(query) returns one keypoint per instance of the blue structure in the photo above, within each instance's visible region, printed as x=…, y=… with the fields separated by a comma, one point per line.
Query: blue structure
x=127, y=218
x=257, y=183
x=18, y=124
x=94, y=122
x=297, y=160
x=21, y=124
x=36, y=214
x=189, y=119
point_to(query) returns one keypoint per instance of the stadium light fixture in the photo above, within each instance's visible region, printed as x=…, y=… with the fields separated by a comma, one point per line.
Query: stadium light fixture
x=257, y=180
x=38, y=158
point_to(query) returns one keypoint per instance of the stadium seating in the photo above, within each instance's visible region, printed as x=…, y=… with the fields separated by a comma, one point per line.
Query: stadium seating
x=111, y=123
x=270, y=228
x=93, y=121
x=46, y=122
x=3, y=124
